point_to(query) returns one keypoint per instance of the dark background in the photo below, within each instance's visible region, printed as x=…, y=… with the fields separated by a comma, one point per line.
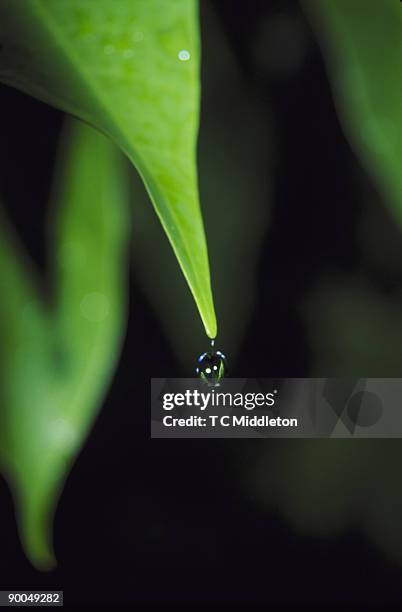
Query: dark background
x=163, y=521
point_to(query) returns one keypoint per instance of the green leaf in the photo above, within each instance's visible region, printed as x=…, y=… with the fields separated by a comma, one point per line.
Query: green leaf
x=362, y=45
x=131, y=69
x=234, y=169
x=57, y=359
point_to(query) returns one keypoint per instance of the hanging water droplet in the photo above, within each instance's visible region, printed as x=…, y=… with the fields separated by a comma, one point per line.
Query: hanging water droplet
x=212, y=367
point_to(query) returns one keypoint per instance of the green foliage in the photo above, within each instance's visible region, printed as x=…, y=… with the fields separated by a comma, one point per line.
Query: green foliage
x=326, y=486
x=56, y=358
x=362, y=44
x=131, y=69
x=235, y=160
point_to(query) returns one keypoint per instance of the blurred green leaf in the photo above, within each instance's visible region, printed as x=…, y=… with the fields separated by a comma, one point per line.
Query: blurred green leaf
x=332, y=486
x=56, y=359
x=130, y=69
x=362, y=44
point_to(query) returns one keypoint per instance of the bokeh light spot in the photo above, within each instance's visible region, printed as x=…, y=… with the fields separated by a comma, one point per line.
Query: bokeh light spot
x=184, y=55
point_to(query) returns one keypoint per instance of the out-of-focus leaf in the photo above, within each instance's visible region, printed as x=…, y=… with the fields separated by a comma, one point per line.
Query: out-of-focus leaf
x=130, y=68
x=57, y=359
x=362, y=44
x=329, y=486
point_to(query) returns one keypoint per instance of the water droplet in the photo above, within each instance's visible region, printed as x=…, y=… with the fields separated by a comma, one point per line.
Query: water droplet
x=184, y=55
x=212, y=367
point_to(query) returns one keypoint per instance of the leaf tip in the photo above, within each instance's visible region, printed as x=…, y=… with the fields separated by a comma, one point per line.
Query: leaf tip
x=211, y=328
x=35, y=530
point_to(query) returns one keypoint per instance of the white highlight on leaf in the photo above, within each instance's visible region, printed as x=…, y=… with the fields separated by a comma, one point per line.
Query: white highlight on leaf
x=62, y=433
x=184, y=55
